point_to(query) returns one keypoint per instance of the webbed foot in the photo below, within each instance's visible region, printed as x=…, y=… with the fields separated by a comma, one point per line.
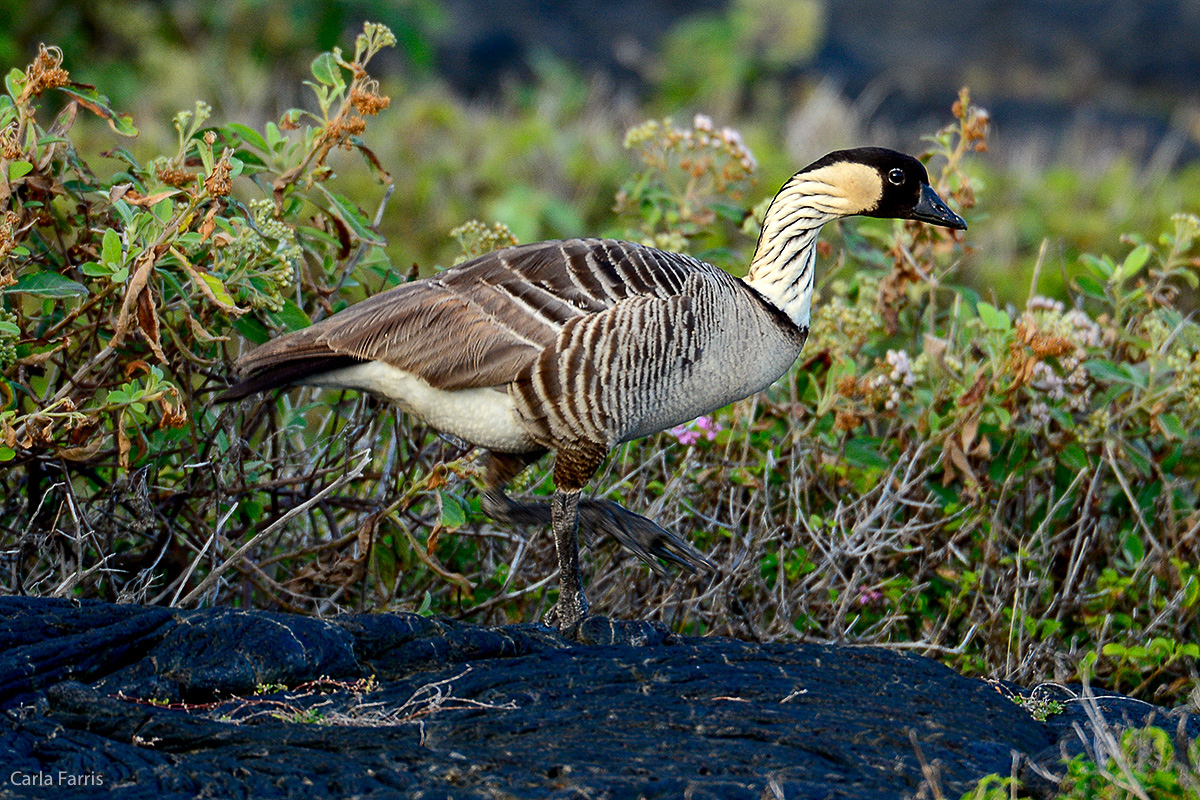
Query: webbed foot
x=641, y=536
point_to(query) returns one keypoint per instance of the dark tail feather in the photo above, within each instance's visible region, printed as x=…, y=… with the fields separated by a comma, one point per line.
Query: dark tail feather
x=284, y=374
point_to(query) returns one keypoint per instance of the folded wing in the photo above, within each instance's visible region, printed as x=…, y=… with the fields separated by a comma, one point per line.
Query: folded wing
x=475, y=325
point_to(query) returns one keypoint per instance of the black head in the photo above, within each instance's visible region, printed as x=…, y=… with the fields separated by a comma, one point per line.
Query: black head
x=877, y=182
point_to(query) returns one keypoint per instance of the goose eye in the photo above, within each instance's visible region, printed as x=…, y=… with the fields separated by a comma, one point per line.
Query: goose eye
x=896, y=177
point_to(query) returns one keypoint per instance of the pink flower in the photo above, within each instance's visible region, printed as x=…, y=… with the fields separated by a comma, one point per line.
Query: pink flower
x=869, y=597
x=710, y=428
x=690, y=433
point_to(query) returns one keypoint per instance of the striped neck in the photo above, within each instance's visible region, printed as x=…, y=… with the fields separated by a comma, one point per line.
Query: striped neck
x=783, y=267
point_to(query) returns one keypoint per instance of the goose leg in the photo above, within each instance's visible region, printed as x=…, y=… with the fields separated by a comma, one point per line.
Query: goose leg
x=641, y=536
x=574, y=466
x=572, y=606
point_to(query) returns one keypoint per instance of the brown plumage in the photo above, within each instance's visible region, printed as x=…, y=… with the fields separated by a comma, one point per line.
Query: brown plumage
x=575, y=346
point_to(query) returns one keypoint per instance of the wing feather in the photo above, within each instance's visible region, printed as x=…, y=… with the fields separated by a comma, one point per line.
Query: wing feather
x=480, y=323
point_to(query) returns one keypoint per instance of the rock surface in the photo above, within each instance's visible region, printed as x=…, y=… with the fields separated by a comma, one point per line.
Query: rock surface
x=139, y=702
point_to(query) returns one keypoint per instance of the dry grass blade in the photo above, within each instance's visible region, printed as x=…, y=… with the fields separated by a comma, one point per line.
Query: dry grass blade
x=234, y=558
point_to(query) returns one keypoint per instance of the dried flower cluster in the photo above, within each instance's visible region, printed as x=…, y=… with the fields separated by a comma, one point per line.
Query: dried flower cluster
x=218, y=183
x=8, y=238
x=689, y=174
x=10, y=147
x=366, y=99
x=44, y=73
x=974, y=121
x=701, y=152
x=1048, y=353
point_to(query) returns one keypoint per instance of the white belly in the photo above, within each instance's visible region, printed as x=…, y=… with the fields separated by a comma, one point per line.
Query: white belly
x=482, y=416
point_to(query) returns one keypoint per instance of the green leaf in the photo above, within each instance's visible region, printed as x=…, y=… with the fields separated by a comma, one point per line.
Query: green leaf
x=100, y=105
x=1172, y=426
x=1063, y=418
x=354, y=219
x=1134, y=548
x=1074, y=458
x=217, y=287
x=14, y=81
x=249, y=135
x=1133, y=262
x=164, y=209
x=1002, y=415
x=95, y=270
x=326, y=70
x=47, y=284
x=1090, y=286
x=124, y=155
x=1191, y=589
x=453, y=515
x=11, y=328
x=1106, y=371
x=994, y=318
x=252, y=329
x=7, y=453
x=19, y=169
x=727, y=211
x=110, y=249
x=862, y=452
x=291, y=317
x=1136, y=375
x=1102, y=266
x=1171, y=460
x=1137, y=456
x=275, y=138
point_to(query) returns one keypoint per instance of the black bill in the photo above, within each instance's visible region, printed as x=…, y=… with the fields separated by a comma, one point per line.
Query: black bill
x=932, y=209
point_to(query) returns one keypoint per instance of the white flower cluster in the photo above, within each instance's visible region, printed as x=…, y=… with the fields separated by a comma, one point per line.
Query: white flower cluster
x=1073, y=388
x=903, y=375
x=728, y=138
x=1039, y=303
x=902, y=371
x=8, y=339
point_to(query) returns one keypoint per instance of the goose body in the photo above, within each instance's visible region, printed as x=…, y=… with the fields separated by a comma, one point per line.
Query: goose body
x=572, y=341
x=577, y=345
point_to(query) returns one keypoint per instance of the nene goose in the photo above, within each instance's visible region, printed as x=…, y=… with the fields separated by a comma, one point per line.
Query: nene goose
x=575, y=346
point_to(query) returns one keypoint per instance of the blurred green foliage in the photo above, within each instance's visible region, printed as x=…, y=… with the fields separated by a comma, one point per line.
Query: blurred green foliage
x=724, y=61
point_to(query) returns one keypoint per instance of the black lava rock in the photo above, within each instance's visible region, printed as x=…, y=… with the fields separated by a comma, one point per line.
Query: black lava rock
x=152, y=703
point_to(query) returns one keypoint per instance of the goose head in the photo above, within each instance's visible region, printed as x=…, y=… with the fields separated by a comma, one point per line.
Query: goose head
x=864, y=181
x=877, y=182
x=867, y=181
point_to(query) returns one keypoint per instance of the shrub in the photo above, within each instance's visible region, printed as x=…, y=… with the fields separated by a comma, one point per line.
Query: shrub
x=120, y=295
